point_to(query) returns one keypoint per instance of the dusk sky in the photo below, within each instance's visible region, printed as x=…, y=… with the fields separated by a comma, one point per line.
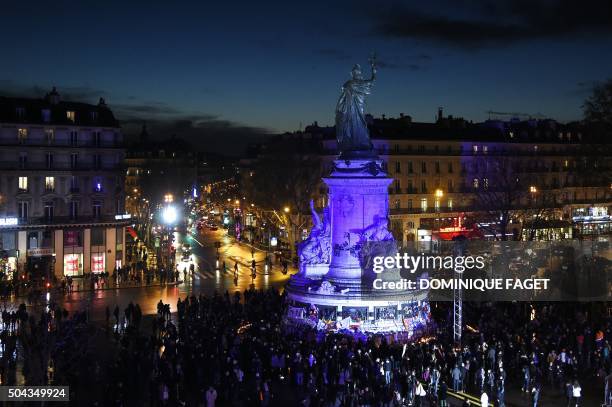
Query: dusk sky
x=203, y=69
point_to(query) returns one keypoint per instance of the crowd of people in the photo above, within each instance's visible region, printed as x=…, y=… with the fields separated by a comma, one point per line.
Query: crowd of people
x=238, y=350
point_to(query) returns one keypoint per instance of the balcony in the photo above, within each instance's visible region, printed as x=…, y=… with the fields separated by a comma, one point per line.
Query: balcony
x=69, y=221
x=42, y=166
x=59, y=143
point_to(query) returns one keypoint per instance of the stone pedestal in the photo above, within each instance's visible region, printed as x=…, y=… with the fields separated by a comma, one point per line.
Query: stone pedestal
x=358, y=198
x=339, y=289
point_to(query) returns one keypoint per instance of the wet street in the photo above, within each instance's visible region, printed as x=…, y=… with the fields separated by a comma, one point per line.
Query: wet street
x=207, y=278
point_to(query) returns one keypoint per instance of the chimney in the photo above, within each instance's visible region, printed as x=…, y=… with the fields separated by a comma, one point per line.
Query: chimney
x=440, y=113
x=53, y=97
x=102, y=102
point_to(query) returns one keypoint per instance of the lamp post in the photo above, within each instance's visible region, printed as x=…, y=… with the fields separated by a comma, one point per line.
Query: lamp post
x=169, y=217
x=437, y=202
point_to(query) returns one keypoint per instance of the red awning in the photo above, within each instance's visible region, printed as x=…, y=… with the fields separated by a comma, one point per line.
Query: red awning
x=131, y=232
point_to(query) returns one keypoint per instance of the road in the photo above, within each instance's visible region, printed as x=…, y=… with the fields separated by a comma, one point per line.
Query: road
x=207, y=278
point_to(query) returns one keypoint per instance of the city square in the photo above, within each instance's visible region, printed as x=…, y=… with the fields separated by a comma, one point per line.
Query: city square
x=172, y=233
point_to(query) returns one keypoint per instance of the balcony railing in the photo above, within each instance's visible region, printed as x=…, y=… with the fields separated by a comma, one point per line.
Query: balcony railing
x=60, y=220
x=59, y=143
x=42, y=166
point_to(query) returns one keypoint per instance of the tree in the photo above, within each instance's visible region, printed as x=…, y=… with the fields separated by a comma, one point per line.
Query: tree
x=506, y=192
x=598, y=106
x=284, y=180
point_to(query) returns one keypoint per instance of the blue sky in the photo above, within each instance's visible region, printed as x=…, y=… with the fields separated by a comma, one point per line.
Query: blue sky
x=204, y=70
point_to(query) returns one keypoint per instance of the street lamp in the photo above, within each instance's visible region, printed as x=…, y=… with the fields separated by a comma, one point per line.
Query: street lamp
x=438, y=194
x=169, y=215
x=286, y=209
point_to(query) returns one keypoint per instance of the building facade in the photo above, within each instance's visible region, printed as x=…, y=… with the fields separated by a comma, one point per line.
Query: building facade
x=542, y=179
x=61, y=187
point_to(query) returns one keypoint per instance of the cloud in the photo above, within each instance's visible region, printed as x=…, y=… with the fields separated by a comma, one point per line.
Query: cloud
x=496, y=22
x=75, y=93
x=205, y=131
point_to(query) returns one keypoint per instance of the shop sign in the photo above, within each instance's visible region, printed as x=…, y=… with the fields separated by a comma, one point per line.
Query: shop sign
x=9, y=222
x=39, y=252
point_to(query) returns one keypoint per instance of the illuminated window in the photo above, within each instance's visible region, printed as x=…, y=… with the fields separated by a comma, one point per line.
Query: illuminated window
x=97, y=185
x=485, y=183
x=450, y=204
x=397, y=204
x=70, y=115
x=50, y=183
x=22, y=134
x=437, y=204
x=485, y=149
x=424, y=204
x=475, y=182
x=23, y=184
x=475, y=148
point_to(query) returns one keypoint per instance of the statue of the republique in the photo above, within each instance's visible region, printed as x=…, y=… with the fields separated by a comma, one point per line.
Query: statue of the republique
x=351, y=127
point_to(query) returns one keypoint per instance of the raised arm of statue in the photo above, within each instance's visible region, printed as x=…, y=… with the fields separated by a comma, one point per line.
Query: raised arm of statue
x=373, y=66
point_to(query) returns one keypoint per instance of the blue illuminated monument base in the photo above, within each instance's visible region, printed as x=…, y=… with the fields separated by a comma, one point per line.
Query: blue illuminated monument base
x=333, y=289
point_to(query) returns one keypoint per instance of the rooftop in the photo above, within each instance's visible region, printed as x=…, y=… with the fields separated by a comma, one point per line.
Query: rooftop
x=51, y=110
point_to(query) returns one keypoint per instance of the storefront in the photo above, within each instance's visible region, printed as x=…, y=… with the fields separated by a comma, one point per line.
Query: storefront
x=547, y=230
x=8, y=252
x=592, y=221
x=73, y=264
x=73, y=252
